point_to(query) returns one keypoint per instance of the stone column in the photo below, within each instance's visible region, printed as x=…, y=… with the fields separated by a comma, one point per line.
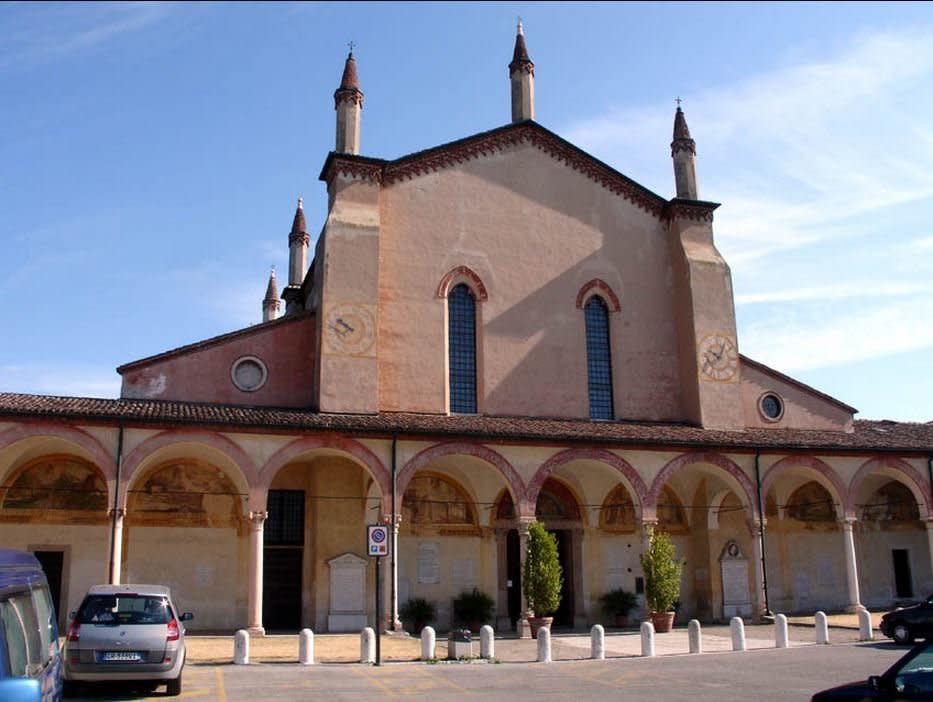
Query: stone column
x=254, y=601
x=648, y=526
x=579, y=615
x=851, y=564
x=524, y=524
x=757, y=536
x=503, y=623
x=116, y=545
x=395, y=624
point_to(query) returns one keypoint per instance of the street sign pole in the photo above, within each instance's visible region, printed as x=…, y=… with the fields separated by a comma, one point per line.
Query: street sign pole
x=377, y=538
x=378, y=613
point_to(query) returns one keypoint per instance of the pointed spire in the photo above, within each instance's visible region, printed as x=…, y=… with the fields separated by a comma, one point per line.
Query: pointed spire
x=522, y=77
x=298, y=241
x=348, y=101
x=270, y=304
x=520, y=58
x=684, y=151
x=682, y=140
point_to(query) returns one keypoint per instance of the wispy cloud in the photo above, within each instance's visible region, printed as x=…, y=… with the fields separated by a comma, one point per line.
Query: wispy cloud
x=834, y=293
x=44, y=32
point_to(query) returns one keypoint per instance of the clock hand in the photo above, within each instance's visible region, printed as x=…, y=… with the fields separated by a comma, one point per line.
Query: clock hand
x=347, y=329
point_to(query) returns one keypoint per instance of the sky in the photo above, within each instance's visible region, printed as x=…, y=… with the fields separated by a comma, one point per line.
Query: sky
x=151, y=156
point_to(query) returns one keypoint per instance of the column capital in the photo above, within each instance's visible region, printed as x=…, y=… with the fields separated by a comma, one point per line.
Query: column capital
x=119, y=513
x=929, y=523
x=256, y=520
x=649, y=524
x=848, y=522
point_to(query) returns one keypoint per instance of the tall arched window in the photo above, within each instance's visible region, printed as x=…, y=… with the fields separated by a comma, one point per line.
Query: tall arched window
x=461, y=344
x=598, y=359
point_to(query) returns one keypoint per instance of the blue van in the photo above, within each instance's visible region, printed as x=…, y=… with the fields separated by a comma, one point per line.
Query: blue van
x=30, y=657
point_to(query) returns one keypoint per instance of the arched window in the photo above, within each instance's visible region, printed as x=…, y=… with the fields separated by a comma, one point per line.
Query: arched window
x=598, y=359
x=461, y=344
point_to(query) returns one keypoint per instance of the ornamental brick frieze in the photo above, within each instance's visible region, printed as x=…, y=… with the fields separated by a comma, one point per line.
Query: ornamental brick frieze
x=527, y=67
x=695, y=212
x=684, y=145
x=353, y=169
x=354, y=96
x=299, y=238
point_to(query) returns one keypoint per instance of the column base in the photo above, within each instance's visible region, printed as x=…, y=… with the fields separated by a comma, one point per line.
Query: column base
x=853, y=609
x=256, y=631
x=524, y=628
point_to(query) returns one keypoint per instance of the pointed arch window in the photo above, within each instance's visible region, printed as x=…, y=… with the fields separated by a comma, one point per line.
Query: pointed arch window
x=598, y=358
x=461, y=345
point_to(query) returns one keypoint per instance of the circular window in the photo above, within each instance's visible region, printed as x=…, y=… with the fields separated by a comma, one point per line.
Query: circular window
x=249, y=373
x=771, y=407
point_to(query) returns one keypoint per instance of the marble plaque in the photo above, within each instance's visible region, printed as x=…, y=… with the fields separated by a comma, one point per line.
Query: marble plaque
x=735, y=582
x=429, y=563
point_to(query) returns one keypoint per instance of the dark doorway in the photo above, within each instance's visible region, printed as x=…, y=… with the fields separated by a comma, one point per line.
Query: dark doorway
x=514, y=576
x=903, y=582
x=53, y=563
x=563, y=617
x=283, y=553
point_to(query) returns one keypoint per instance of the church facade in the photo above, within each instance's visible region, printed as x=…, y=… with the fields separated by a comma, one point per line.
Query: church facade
x=493, y=331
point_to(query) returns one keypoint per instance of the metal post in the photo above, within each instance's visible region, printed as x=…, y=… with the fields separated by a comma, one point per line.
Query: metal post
x=378, y=626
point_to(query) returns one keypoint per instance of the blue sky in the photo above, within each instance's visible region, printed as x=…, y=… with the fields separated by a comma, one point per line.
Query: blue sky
x=151, y=155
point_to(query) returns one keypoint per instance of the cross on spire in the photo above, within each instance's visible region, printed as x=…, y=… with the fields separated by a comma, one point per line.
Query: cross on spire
x=678, y=100
x=351, y=44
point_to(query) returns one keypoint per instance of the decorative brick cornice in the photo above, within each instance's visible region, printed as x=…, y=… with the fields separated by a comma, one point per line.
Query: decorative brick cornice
x=340, y=164
x=515, y=135
x=299, y=238
x=354, y=96
x=466, y=275
x=524, y=66
x=601, y=288
x=683, y=145
x=696, y=210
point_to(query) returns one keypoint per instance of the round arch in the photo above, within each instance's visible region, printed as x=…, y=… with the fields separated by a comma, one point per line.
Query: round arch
x=348, y=447
x=88, y=446
x=462, y=274
x=600, y=288
x=633, y=480
x=733, y=471
x=830, y=478
x=244, y=477
x=896, y=469
x=513, y=480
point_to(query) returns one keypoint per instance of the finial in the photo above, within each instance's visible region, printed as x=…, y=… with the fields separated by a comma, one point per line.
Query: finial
x=520, y=31
x=300, y=207
x=678, y=101
x=351, y=44
x=272, y=274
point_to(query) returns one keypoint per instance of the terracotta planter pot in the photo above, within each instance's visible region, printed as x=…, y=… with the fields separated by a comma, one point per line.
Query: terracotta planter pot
x=662, y=621
x=538, y=623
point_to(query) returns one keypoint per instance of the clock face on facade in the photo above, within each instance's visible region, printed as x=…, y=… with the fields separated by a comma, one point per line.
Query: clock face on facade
x=349, y=329
x=718, y=357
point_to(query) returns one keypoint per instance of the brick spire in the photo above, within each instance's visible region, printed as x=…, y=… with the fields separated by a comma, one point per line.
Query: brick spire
x=270, y=304
x=522, y=77
x=348, y=101
x=684, y=151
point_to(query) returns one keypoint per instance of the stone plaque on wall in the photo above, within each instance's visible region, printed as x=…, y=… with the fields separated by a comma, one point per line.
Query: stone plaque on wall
x=347, y=593
x=429, y=563
x=736, y=598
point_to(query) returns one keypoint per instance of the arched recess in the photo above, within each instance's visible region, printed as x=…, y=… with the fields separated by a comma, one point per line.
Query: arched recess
x=465, y=275
x=629, y=476
x=331, y=445
x=602, y=289
x=27, y=441
x=617, y=513
x=54, y=489
x=815, y=469
x=419, y=461
x=211, y=447
x=435, y=502
x=896, y=469
x=731, y=473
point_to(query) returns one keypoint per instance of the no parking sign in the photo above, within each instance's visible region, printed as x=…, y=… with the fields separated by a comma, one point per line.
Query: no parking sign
x=378, y=539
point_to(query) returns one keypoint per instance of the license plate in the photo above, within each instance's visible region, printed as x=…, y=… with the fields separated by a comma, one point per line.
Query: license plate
x=121, y=656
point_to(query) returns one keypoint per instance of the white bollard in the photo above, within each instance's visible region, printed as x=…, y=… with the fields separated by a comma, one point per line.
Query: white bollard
x=367, y=645
x=864, y=625
x=780, y=632
x=693, y=632
x=241, y=647
x=598, y=642
x=544, y=645
x=737, y=626
x=487, y=642
x=647, y=639
x=428, y=643
x=822, y=628
x=306, y=647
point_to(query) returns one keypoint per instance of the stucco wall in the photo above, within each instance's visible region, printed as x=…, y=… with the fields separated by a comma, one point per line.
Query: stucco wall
x=202, y=374
x=802, y=409
x=535, y=232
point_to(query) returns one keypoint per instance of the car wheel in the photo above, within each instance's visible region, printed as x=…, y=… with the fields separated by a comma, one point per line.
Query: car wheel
x=901, y=634
x=173, y=688
x=69, y=688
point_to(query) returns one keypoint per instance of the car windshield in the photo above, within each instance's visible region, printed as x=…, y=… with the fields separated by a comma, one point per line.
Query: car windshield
x=124, y=609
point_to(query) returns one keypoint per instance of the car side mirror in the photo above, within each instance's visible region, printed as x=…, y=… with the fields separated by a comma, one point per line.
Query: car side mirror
x=875, y=682
x=186, y=617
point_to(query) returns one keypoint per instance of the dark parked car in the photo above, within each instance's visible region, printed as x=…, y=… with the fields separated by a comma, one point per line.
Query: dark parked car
x=911, y=678
x=905, y=625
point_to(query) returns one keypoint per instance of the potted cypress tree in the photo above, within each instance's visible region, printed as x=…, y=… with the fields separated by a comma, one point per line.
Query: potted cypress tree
x=542, y=578
x=662, y=580
x=473, y=609
x=617, y=604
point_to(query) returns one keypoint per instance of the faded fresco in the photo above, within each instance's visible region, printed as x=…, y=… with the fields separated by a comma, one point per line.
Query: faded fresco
x=431, y=499
x=618, y=511
x=57, y=483
x=186, y=493
x=811, y=502
x=892, y=502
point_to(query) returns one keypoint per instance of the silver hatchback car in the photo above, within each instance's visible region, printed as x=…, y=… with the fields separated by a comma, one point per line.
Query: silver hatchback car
x=126, y=633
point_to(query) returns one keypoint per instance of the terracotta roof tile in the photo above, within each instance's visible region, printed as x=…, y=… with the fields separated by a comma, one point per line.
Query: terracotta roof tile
x=868, y=436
